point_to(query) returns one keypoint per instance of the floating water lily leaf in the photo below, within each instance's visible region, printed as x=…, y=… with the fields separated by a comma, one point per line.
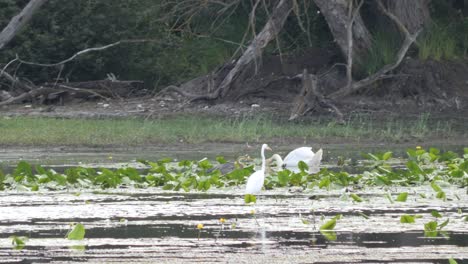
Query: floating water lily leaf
x=356, y=197
x=330, y=224
x=430, y=229
x=205, y=164
x=407, y=219
x=250, y=198
x=413, y=167
x=283, y=177
x=18, y=242
x=78, y=247
x=329, y=235
x=77, y=233
x=435, y=214
x=402, y=197
x=452, y=261
x=220, y=159
x=441, y=195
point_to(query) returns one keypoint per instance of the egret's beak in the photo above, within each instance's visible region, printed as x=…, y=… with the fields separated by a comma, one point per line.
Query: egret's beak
x=268, y=148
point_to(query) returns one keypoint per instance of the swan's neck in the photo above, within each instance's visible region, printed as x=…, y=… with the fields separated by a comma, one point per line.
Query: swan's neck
x=279, y=161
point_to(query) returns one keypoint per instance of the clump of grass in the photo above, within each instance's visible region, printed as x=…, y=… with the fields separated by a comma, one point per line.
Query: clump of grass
x=438, y=43
x=384, y=49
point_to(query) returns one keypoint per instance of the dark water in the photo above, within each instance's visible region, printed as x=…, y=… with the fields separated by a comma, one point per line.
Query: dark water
x=155, y=226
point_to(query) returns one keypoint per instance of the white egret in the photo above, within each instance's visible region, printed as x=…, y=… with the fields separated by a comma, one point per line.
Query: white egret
x=304, y=154
x=256, y=180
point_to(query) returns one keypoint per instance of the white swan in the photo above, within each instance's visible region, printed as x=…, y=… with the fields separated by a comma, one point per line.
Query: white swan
x=305, y=154
x=255, y=182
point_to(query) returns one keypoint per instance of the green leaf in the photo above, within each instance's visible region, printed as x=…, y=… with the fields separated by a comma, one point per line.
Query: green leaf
x=436, y=187
x=303, y=166
x=441, y=195
x=329, y=235
x=436, y=214
x=413, y=167
x=329, y=225
x=452, y=261
x=325, y=182
x=18, y=242
x=283, y=177
x=250, y=198
x=430, y=229
x=387, y=155
x=407, y=219
x=305, y=221
x=356, y=198
x=221, y=160
x=205, y=164
x=77, y=233
x=402, y=197
x=444, y=224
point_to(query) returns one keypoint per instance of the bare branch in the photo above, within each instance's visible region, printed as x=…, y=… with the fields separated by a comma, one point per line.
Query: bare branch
x=79, y=53
x=380, y=74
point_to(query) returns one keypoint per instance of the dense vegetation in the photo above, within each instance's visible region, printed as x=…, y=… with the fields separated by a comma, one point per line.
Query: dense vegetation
x=421, y=167
x=182, y=47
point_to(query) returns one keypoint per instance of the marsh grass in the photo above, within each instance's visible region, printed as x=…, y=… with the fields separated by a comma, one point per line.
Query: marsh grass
x=384, y=49
x=197, y=129
x=440, y=43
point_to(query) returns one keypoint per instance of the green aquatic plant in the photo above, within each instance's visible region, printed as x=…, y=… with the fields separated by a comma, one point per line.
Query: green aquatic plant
x=327, y=228
x=422, y=167
x=433, y=228
x=407, y=219
x=18, y=242
x=250, y=198
x=77, y=232
x=402, y=197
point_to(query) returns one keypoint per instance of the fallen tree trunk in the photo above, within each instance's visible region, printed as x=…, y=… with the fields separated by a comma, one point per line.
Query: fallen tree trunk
x=271, y=29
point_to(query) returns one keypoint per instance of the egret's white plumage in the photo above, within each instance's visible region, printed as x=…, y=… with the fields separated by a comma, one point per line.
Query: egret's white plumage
x=304, y=154
x=255, y=182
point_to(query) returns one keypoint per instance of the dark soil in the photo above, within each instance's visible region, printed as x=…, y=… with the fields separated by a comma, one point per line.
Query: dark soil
x=437, y=87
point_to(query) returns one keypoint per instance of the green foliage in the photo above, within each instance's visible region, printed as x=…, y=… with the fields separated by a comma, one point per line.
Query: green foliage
x=440, y=43
x=77, y=233
x=436, y=214
x=433, y=167
x=385, y=45
x=60, y=29
x=18, y=242
x=402, y=197
x=407, y=219
x=327, y=228
x=250, y=198
x=356, y=198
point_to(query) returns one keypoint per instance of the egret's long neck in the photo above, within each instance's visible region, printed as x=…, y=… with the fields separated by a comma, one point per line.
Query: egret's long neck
x=263, y=159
